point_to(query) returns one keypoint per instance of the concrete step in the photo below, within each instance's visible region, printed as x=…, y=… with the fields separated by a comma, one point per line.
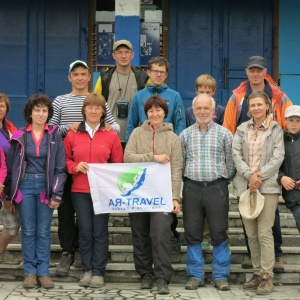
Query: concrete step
x=124, y=253
x=125, y=272
x=122, y=236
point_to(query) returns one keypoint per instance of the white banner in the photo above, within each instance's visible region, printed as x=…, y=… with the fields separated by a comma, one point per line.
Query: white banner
x=134, y=187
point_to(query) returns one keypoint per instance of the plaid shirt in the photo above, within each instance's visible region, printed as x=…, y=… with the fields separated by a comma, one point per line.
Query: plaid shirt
x=207, y=156
x=256, y=139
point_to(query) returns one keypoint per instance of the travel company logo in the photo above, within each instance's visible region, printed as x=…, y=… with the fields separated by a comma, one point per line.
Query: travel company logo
x=131, y=180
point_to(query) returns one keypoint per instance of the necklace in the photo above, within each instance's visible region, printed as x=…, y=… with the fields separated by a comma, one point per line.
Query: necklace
x=120, y=89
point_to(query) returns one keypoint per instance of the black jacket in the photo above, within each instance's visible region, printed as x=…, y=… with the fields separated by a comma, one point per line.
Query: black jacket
x=291, y=167
x=140, y=76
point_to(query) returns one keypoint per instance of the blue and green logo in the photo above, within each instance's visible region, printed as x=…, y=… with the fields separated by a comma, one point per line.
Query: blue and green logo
x=131, y=180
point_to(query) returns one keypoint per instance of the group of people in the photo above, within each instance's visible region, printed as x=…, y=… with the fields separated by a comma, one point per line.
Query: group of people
x=133, y=116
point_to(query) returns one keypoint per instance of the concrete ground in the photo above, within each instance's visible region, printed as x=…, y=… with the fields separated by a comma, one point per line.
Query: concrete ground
x=122, y=291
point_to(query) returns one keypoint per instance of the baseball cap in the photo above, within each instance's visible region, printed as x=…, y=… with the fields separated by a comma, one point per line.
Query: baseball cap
x=78, y=63
x=256, y=61
x=122, y=42
x=293, y=110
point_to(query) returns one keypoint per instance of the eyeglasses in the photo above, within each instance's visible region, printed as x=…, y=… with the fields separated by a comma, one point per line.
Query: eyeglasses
x=156, y=72
x=121, y=53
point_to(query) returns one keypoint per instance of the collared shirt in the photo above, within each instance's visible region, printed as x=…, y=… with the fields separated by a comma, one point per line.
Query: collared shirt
x=90, y=130
x=36, y=151
x=256, y=139
x=207, y=156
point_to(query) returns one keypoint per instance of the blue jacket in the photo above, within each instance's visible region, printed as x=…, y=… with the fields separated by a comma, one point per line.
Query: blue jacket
x=55, y=166
x=176, y=114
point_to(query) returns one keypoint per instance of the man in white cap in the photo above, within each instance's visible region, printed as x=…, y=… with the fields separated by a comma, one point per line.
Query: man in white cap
x=67, y=115
x=120, y=83
x=236, y=113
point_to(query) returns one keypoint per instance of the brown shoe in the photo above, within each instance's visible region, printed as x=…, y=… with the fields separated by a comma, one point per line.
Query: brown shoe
x=266, y=285
x=253, y=283
x=46, y=282
x=30, y=281
x=278, y=267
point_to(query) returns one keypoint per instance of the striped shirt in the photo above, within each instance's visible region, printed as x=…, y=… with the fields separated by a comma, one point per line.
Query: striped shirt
x=207, y=156
x=67, y=111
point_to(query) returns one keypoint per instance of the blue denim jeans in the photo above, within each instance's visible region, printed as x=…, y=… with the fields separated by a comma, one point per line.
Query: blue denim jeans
x=296, y=213
x=220, y=265
x=93, y=234
x=35, y=222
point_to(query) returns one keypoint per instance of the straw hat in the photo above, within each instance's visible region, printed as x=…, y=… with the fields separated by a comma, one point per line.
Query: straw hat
x=251, y=204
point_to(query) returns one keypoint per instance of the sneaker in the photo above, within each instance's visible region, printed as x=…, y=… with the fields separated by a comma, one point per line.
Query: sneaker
x=162, y=286
x=46, y=282
x=30, y=281
x=77, y=259
x=64, y=264
x=193, y=284
x=9, y=259
x=266, y=285
x=176, y=246
x=147, y=281
x=206, y=246
x=222, y=285
x=278, y=267
x=253, y=283
x=96, y=282
x=247, y=264
x=85, y=279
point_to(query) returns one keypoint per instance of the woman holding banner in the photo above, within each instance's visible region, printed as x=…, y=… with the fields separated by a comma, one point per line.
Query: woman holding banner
x=155, y=141
x=91, y=144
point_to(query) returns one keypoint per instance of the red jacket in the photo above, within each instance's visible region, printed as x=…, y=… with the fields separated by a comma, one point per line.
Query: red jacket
x=104, y=147
x=279, y=99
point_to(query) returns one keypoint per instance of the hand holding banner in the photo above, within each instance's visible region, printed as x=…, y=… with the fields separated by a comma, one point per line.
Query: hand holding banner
x=131, y=187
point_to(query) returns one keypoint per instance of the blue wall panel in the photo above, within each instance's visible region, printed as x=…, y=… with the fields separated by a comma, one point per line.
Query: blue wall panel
x=289, y=37
x=128, y=28
x=290, y=85
x=39, y=39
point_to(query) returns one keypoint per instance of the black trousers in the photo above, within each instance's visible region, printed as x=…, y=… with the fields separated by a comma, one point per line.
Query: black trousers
x=67, y=225
x=205, y=202
x=151, y=239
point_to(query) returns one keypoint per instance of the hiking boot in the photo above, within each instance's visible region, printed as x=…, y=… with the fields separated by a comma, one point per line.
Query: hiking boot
x=162, y=286
x=85, y=279
x=253, y=283
x=147, y=281
x=77, y=259
x=30, y=281
x=222, y=285
x=176, y=246
x=96, y=282
x=206, y=246
x=46, y=282
x=247, y=264
x=266, y=285
x=278, y=267
x=9, y=259
x=65, y=262
x=193, y=284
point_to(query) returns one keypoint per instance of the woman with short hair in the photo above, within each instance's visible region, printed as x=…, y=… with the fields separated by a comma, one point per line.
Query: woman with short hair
x=34, y=183
x=258, y=151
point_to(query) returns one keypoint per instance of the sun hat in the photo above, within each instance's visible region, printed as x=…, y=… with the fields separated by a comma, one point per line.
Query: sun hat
x=251, y=204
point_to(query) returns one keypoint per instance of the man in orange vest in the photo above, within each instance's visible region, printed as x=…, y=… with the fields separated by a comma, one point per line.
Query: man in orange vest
x=236, y=112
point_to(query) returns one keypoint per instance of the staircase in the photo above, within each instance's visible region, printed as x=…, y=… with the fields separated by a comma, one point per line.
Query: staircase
x=121, y=267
